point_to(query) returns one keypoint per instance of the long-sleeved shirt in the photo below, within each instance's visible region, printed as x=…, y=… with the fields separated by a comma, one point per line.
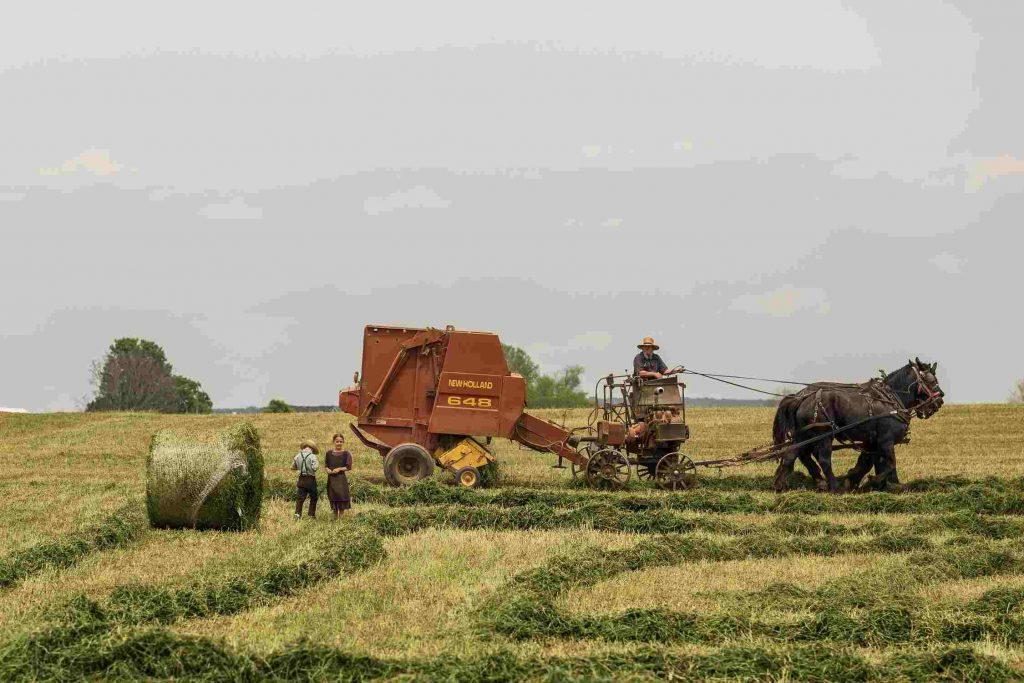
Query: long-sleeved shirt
x=305, y=464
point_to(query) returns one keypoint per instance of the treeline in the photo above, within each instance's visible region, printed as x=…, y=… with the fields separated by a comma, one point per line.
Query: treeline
x=701, y=402
x=291, y=409
x=135, y=375
x=561, y=390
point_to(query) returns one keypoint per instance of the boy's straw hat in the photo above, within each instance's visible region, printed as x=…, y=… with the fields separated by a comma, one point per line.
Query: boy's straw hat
x=311, y=444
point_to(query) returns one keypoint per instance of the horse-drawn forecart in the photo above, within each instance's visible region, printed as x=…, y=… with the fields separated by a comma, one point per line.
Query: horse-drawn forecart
x=640, y=423
x=431, y=397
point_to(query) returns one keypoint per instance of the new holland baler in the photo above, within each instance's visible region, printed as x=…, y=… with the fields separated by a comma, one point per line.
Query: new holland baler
x=427, y=397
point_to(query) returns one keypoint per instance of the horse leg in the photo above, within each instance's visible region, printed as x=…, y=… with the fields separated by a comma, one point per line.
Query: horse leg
x=865, y=461
x=813, y=469
x=784, y=470
x=823, y=453
x=885, y=467
x=894, y=477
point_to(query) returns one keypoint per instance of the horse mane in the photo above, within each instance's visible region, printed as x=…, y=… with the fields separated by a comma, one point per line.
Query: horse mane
x=900, y=377
x=900, y=381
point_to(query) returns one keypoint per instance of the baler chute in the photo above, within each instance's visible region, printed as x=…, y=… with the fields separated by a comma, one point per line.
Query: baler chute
x=425, y=397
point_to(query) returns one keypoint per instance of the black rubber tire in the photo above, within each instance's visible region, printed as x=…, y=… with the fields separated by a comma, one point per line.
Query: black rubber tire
x=468, y=477
x=407, y=464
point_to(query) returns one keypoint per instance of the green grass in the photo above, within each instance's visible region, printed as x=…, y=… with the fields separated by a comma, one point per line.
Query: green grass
x=534, y=578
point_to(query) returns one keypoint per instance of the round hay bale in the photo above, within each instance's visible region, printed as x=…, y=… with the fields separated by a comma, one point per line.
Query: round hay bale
x=199, y=479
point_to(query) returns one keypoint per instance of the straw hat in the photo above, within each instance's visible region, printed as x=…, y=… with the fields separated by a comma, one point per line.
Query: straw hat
x=311, y=444
x=648, y=341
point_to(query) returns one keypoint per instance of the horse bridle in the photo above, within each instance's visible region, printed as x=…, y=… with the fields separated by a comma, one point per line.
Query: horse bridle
x=930, y=395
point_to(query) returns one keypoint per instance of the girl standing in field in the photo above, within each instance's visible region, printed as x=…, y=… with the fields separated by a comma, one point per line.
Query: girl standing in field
x=337, y=462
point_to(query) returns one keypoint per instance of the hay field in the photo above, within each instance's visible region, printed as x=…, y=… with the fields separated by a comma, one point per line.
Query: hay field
x=536, y=578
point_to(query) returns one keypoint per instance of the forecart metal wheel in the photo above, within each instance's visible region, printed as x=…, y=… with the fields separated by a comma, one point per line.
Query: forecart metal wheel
x=587, y=451
x=675, y=472
x=645, y=472
x=407, y=464
x=608, y=469
x=468, y=477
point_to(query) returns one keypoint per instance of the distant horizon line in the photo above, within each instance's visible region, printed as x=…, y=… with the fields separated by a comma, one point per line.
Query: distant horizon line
x=697, y=402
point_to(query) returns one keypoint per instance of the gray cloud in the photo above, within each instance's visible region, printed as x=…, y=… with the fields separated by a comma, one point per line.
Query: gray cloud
x=766, y=199
x=235, y=209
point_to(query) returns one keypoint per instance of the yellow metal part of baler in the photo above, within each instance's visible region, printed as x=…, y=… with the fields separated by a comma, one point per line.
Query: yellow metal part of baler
x=466, y=453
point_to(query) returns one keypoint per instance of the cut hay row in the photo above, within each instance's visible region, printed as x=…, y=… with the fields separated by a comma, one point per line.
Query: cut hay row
x=603, y=516
x=92, y=650
x=202, y=479
x=871, y=608
x=524, y=607
x=976, y=497
x=328, y=556
x=432, y=491
x=800, y=481
x=540, y=517
x=122, y=527
x=875, y=627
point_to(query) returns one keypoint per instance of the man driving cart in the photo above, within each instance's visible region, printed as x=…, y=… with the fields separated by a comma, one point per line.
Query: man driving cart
x=649, y=365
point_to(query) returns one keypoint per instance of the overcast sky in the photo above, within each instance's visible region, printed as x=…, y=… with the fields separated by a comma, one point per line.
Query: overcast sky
x=805, y=190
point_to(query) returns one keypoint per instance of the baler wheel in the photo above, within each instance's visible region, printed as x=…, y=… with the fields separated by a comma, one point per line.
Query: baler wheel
x=609, y=469
x=468, y=477
x=407, y=464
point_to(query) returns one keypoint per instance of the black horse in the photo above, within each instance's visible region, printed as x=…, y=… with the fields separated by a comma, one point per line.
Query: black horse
x=873, y=416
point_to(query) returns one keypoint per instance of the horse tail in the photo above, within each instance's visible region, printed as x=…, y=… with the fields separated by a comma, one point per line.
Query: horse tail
x=785, y=418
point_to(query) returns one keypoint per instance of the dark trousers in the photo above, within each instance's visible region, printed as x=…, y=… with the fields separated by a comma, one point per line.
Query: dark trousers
x=306, y=488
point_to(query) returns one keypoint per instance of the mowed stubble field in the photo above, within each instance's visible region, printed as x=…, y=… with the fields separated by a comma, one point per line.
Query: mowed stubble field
x=535, y=578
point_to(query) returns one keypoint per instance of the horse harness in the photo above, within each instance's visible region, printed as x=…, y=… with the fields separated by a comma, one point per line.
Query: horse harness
x=874, y=391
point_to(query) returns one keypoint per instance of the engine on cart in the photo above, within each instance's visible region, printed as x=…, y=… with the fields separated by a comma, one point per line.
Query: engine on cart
x=637, y=423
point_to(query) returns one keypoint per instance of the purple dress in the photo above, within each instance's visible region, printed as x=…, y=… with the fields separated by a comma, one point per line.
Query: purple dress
x=337, y=484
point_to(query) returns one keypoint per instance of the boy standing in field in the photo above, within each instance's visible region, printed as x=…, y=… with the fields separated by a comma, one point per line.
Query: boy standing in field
x=305, y=462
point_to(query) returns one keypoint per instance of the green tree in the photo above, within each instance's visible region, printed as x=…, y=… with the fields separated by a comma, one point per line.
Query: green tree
x=520, y=362
x=547, y=391
x=134, y=374
x=130, y=346
x=191, y=397
x=559, y=391
x=277, y=405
